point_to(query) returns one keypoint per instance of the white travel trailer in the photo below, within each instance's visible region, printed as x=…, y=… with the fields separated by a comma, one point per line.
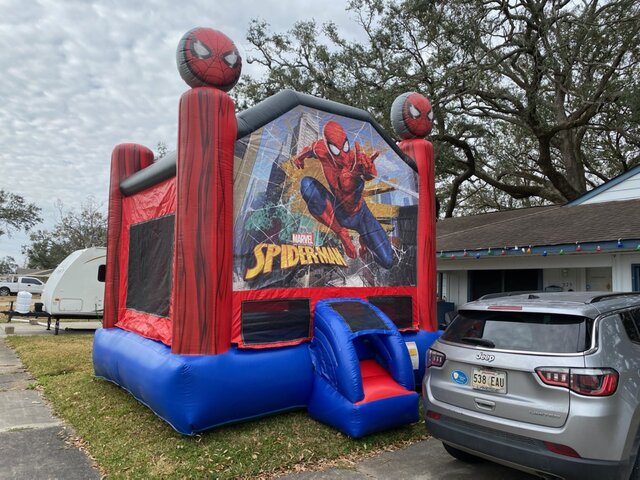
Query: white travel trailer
x=76, y=286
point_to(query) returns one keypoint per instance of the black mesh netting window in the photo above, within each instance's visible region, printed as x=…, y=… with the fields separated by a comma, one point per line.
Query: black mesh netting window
x=150, y=265
x=359, y=316
x=397, y=307
x=275, y=321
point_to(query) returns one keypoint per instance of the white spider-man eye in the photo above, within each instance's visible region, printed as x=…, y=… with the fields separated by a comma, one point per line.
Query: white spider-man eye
x=200, y=50
x=335, y=150
x=413, y=111
x=230, y=58
x=345, y=147
x=430, y=115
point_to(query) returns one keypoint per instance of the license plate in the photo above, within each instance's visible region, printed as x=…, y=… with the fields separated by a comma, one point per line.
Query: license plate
x=489, y=380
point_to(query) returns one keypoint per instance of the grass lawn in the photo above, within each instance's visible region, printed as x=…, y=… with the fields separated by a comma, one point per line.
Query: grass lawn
x=128, y=441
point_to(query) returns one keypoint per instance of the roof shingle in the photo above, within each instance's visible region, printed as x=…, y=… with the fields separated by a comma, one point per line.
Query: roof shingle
x=554, y=225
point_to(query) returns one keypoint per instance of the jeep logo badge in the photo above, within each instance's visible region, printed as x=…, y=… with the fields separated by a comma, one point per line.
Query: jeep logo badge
x=484, y=357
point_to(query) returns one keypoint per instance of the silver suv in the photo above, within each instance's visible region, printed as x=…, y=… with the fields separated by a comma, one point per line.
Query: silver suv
x=548, y=383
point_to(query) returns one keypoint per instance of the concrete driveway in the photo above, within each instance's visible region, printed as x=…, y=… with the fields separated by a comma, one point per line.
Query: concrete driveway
x=426, y=460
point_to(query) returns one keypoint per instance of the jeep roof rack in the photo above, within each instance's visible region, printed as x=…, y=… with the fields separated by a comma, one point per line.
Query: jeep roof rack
x=608, y=296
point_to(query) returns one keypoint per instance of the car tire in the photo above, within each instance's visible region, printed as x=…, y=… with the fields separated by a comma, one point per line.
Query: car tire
x=4, y=292
x=461, y=455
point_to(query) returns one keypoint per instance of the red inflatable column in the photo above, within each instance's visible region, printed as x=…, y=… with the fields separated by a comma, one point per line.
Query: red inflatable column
x=412, y=120
x=204, y=225
x=422, y=152
x=126, y=159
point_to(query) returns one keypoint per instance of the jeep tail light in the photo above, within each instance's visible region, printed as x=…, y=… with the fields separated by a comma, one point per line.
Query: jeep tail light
x=435, y=358
x=594, y=382
x=597, y=382
x=558, y=377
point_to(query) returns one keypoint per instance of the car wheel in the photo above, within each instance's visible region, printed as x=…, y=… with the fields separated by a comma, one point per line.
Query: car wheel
x=4, y=292
x=461, y=455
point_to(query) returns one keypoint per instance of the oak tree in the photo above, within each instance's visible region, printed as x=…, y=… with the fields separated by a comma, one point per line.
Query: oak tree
x=535, y=101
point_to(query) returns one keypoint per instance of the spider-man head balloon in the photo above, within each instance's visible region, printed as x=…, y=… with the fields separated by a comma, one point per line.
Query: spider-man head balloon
x=411, y=116
x=335, y=138
x=208, y=58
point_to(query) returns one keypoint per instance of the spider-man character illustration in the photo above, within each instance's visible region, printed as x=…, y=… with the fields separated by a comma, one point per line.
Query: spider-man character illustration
x=342, y=209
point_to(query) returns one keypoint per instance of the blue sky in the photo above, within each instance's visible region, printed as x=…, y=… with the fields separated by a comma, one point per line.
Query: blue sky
x=80, y=77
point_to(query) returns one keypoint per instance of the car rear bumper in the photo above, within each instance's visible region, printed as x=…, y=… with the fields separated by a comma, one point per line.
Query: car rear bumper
x=521, y=452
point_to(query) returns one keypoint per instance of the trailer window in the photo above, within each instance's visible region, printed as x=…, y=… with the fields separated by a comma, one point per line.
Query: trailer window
x=102, y=272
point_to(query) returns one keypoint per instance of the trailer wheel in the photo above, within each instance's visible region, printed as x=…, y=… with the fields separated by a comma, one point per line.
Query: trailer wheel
x=5, y=292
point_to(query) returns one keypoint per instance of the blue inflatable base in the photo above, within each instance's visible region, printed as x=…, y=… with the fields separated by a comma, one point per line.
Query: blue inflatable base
x=423, y=340
x=196, y=393
x=328, y=406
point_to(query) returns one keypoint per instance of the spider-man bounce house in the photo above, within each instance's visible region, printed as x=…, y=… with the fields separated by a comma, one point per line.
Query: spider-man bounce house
x=283, y=258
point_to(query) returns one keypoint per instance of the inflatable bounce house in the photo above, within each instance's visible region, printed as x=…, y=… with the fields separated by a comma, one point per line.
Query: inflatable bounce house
x=283, y=258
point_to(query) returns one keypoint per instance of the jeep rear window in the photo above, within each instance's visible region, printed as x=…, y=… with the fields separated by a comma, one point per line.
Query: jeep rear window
x=521, y=331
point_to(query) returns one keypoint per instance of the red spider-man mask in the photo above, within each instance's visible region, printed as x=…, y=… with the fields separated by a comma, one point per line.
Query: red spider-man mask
x=207, y=57
x=335, y=138
x=417, y=114
x=411, y=115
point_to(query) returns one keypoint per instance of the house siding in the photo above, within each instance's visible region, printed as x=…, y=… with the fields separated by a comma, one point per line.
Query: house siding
x=567, y=271
x=625, y=190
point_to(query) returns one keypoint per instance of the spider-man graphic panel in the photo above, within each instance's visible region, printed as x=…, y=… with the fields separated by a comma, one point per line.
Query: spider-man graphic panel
x=341, y=207
x=322, y=200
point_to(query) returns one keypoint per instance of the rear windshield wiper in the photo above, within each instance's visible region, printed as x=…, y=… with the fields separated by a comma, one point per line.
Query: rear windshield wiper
x=478, y=341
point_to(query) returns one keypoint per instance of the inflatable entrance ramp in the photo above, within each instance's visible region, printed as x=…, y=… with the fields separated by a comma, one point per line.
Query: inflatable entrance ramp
x=363, y=380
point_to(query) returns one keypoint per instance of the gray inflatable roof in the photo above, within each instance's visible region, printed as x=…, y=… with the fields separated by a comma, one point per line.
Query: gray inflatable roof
x=251, y=120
